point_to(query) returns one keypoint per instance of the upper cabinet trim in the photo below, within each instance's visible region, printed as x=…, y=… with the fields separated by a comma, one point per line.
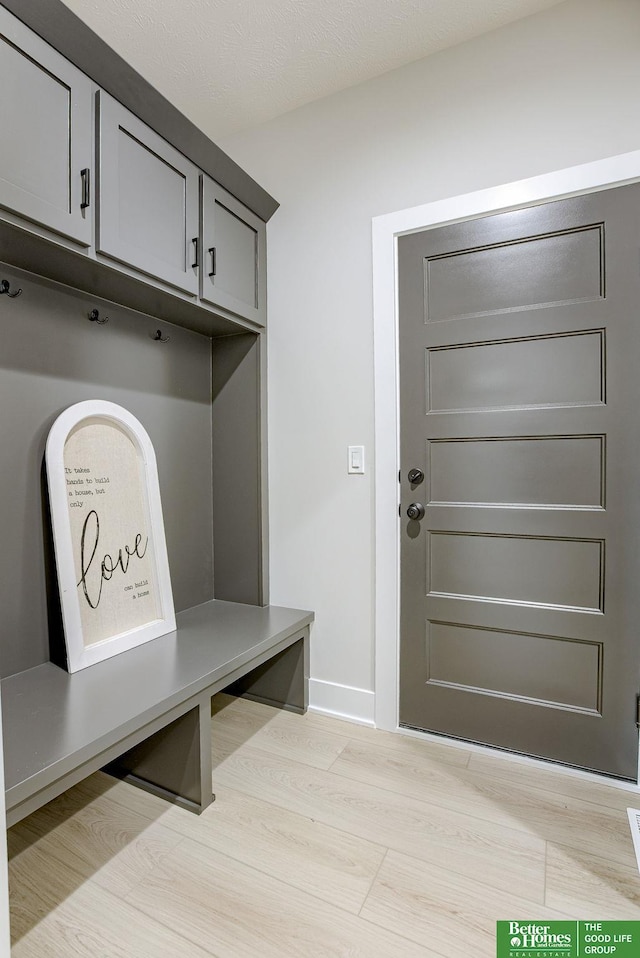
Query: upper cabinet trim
x=72, y=38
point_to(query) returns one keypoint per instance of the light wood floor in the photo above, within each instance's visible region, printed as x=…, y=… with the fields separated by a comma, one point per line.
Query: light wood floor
x=326, y=839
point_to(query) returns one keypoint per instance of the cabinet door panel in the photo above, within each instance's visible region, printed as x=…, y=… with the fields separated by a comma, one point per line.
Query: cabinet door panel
x=45, y=116
x=234, y=254
x=147, y=199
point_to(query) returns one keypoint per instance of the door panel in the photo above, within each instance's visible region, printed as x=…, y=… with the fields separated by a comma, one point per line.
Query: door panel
x=148, y=196
x=45, y=116
x=547, y=669
x=538, y=371
x=542, y=471
x=565, y=573
x=518, y=392
x=234, y=241
x=541, y=271
x=145, y=180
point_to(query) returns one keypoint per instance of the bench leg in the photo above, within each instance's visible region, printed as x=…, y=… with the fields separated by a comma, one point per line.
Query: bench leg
x=282, y=681
x=175, y=762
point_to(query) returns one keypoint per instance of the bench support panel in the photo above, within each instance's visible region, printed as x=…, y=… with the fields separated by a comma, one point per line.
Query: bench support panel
x=282, y=681
x=174, y=763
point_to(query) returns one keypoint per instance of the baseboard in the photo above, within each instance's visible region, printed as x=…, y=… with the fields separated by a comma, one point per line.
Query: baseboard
x=274, y=703
x=342, y=701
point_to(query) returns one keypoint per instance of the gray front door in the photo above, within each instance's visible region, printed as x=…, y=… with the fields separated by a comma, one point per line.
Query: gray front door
x=519, y=401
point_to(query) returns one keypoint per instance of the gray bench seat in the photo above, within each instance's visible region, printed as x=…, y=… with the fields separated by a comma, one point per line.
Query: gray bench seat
x=146, y=714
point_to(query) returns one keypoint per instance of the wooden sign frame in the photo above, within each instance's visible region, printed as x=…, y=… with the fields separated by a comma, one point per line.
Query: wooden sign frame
x=108, y=532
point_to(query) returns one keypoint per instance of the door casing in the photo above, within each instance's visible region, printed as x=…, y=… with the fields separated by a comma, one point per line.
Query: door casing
x=589, y=177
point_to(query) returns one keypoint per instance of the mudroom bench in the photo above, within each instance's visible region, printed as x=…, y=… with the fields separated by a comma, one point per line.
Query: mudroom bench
x=145, y=715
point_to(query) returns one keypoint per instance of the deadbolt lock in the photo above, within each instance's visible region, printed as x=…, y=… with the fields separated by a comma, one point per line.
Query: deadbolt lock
x=415, y=477
x=415, y=510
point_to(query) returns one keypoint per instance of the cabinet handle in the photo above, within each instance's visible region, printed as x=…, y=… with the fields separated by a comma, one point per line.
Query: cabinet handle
x=195, y=264
x=86, y=188
x=212, y=250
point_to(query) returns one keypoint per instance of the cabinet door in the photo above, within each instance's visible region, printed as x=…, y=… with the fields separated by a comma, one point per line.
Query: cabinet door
x=234, y=254
x=47, y=134
x=147, y=199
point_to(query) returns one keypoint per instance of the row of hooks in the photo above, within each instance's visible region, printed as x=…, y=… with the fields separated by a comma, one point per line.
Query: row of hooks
x=94, y=316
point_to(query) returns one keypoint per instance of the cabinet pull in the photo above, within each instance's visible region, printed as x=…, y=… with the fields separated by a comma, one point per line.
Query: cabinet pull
x=86, y=188
x=212, y=250
x=195, y=263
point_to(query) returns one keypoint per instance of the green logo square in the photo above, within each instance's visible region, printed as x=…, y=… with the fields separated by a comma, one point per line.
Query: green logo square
x=537, y=939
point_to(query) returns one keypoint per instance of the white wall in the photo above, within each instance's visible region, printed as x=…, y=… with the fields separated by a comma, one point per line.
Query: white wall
x=552, y=91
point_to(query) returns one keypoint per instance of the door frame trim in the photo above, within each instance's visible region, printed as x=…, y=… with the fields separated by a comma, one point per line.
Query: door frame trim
x=589, y=177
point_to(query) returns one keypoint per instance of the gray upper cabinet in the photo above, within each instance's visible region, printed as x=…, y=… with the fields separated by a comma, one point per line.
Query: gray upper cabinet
x=147, y=199
x=81, y=171
x=47, y=134
x=234, y=255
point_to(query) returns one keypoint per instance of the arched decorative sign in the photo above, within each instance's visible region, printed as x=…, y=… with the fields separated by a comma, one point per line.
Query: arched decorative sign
x=108, y=532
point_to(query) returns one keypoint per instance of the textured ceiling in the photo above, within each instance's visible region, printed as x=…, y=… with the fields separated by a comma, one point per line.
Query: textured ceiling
x=231, y=64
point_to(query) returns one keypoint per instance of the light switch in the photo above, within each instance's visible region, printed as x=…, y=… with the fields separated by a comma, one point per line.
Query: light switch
x=356, y=460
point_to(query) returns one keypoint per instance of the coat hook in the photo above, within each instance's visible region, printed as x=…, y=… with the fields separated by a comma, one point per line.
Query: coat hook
x=5, y=287
x=94, y=317
x=159, y=338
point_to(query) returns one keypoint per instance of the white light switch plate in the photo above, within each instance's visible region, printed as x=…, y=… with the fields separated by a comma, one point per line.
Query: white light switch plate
x=356, y=460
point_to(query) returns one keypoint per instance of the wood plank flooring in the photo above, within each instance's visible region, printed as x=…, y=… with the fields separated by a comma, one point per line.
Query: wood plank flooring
x=326, y=840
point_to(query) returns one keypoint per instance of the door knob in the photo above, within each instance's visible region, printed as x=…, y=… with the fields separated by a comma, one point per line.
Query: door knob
x=415, y=510
x=415, y=477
